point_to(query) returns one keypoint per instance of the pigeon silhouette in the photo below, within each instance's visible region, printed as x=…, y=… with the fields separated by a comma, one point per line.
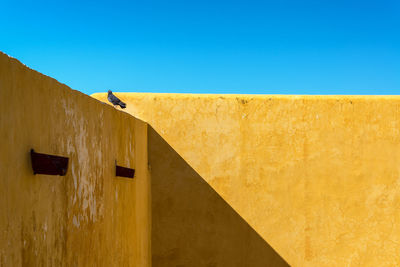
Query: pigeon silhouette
x=115, y=100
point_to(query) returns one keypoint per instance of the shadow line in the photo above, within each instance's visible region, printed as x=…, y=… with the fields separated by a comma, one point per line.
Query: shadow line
x=191, y=224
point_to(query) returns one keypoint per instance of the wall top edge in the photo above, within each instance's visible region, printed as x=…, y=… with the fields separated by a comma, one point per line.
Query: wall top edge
x=255, y=96
x=9, y=60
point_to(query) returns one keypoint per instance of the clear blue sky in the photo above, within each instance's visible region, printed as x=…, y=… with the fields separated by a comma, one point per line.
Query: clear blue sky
x=249, y=47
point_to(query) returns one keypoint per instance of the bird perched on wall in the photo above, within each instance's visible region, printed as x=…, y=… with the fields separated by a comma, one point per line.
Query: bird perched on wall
x=115, y=100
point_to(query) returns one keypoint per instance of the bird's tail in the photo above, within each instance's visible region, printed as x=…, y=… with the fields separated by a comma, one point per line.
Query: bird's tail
x=122, y=104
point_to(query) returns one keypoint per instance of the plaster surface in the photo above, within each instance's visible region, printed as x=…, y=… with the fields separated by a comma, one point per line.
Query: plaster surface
x=191, y=224
x=88, y=217
x=317, y=177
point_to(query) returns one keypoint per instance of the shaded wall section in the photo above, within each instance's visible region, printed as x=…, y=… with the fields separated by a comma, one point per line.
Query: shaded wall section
x=88, y=217
x=191, y=224
x=316, y=176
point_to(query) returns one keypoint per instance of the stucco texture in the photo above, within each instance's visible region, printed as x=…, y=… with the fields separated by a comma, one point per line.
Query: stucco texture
x=191, y=224
x=89, y=217
x=317, y=177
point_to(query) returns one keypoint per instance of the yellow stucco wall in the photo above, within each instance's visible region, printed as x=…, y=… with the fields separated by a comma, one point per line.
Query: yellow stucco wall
x=191, y=224
x=317, y=177
x=88, y=217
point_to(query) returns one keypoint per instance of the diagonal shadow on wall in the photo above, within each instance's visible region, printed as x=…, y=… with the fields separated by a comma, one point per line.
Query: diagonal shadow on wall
x=191, y=224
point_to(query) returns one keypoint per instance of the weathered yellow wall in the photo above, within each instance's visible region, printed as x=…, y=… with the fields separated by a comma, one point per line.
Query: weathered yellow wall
x=88, y=217
x=317, y=177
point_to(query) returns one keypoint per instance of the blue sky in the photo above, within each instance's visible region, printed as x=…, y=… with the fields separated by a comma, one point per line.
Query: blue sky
x=246, y=47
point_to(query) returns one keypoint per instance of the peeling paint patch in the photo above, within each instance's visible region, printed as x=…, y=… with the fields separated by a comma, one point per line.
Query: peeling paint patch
x=75, y=221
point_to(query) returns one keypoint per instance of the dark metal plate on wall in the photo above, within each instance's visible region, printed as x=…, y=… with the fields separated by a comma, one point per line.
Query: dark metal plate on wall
x=48, y=164
x=124, y=172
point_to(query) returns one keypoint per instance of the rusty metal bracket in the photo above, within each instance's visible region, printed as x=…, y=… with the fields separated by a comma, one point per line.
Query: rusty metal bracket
x=124, y=172
x=48, y=164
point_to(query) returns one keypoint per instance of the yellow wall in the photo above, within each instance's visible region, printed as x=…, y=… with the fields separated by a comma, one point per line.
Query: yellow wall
x=191, y=224
x=88, y=217
x=318, y=178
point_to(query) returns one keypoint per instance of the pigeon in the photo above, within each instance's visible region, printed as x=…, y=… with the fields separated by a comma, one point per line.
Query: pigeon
x=115, y=100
